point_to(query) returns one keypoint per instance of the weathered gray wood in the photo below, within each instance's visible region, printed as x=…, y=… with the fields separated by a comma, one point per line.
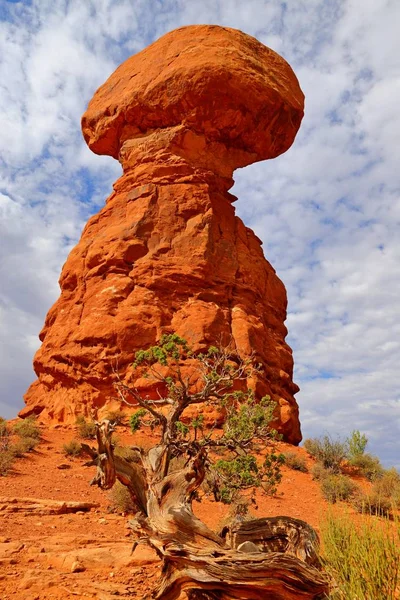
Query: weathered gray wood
x=196, y=560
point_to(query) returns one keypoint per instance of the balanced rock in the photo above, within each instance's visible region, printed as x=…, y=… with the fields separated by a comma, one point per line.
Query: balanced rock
x=167, y=253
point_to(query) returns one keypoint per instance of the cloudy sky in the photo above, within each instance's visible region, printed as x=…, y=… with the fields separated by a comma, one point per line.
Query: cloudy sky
x=328, y=210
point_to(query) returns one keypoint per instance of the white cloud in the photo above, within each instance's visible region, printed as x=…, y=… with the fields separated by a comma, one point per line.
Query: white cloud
x=328, y=210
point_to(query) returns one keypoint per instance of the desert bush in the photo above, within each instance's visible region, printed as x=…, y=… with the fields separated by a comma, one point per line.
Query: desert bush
x=5, y=436
x=367, y=465
x=363, y=559
x=116, y=417
x=371, y=504
x=337, y=488
x=120, y=499
x=295, y=462
x=72, y=448
x=24, y=445
x=384, y=497
x=6, y=461
x=85, y=429
x=318, y=471
x=27, y=428
x=356, y=443
x=4, y=430
x=330, y=453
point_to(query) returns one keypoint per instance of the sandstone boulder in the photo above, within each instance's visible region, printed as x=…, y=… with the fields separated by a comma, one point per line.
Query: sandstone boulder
x=167, y=252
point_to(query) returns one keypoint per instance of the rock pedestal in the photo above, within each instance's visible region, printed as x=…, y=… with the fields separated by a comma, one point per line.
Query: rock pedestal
x=167, y=253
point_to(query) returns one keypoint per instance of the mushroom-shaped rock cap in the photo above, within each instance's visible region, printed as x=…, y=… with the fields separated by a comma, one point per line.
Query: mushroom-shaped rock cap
x=217, y=82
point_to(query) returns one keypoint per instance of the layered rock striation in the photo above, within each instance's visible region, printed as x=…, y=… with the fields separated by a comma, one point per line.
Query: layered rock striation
x=167, y=253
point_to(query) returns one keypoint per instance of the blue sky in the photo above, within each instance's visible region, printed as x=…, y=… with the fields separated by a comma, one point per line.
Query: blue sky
x=328, y=210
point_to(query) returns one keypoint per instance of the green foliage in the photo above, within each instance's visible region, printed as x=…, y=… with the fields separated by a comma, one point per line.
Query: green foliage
x=363, y=559
x=356, y=443
x=6, y=461
x=120, y=499
x=367, y=465
x=295, y=462
x=210, y=381
x=27, y=428
x=135, y=420
x=4, y=430
x=330, y=453
x=72, y=448
x=318, y=472
x=244, y=472
x=337, y=488
x=247, y=418
x=170, y=346
x=182, y=429
x=85, y=429
x=24, y=445
x=384, y=496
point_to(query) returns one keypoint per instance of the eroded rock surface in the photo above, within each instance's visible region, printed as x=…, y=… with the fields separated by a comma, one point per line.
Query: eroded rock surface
x=167, y=252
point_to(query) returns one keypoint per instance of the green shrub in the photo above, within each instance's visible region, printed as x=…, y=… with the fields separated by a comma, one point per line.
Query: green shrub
x=384, y=497
x=120, y=499
x=318, y=472
x=367, y=465
x=24, y=445
x=72, y=448
x=337, y=487
x=6, y=461
x=295, y=462
x=362, y=559
x=116, y=417
x=135, y=420
x=357, y=442
x=86, y=429
x=330, y=453
x=372, y=503
x=27, y=428
x=4, y=430
x=5, y=436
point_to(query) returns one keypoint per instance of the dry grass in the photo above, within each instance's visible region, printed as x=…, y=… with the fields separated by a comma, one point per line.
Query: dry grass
x=363, y=559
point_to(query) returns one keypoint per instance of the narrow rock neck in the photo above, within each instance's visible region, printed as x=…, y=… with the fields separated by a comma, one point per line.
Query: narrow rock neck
x=176, y=155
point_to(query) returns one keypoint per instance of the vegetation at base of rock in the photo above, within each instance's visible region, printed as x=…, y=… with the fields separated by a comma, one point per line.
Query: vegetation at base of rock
x=162, y=481
x=327, y=451
x=295, y=462
x=24, y=445
x=72, y=448
x=116, y=417
x=368, y=466
x=363, y=558
x=383, y=498
x=27, y=428
x=3, y=427
x=86, y=429
x=120, y=499
x=336, y=487
x=27, y=433
x=6, y=461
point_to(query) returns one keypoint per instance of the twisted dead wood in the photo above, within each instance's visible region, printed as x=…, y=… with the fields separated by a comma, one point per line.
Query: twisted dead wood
x=282, y=562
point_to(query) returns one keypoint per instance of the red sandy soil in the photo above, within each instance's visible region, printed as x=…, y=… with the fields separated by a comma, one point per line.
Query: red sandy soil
x=88, y=554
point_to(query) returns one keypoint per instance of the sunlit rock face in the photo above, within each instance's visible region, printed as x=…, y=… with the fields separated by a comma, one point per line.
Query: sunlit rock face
x=167, y=253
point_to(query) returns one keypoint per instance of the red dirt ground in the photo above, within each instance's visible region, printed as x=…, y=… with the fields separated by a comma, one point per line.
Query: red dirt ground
x=87, y=555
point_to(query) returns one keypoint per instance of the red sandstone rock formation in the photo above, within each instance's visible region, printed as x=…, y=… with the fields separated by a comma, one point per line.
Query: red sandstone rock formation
x=167, y=252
